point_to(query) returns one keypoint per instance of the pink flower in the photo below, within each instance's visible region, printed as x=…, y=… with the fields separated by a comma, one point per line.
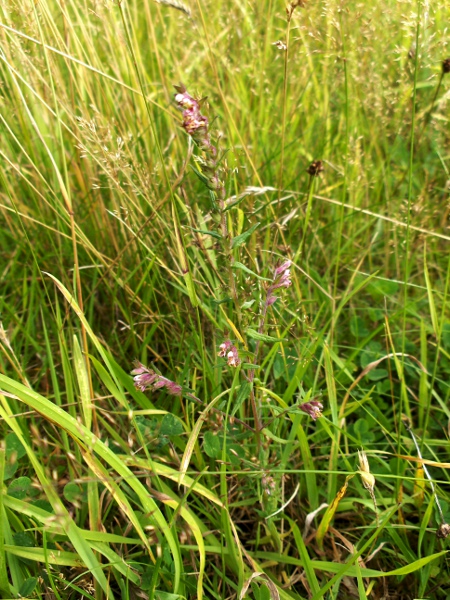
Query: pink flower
x=197, y=126
x=230, y=352
x=313, y=409
x=233, y=359
x=281, y=269
x=271, y=300
x=145, y=378
x=281, y=278
x=224, y=347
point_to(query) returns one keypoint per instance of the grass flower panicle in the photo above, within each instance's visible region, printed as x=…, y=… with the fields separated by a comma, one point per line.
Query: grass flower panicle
x=146, y=379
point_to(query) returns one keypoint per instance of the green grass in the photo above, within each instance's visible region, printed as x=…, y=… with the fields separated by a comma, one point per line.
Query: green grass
x=107, y=257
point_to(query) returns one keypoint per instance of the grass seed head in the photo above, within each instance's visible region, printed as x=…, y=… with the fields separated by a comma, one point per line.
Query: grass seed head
x=446, y=66
x=443, y=531
x=364, y=470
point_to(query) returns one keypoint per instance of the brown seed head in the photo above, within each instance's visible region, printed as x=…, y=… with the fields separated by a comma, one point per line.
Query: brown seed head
x=315, y=168
x=292, y=6
x=446, y=66
x=443, y=531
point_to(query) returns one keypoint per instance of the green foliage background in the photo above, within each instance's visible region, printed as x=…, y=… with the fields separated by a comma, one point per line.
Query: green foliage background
x=109, y=492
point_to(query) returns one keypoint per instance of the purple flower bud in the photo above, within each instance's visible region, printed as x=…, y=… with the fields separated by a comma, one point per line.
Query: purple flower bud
x=281, y=269
x=313, y=409
x=283, y=281
x=281, y=278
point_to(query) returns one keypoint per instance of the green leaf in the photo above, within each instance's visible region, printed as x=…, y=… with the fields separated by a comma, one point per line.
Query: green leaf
x=72, y=492
x=10, y=469
x=13, y=444
x=211, y=444
x=247, y=304
x=24, y=539
x=213, y=234
x=446, y=336
x=235, y=453
x=200, y=175
x=243, y=394
x=358, y=327
x=171, y=426
x=82, y=374
x=361, y=426
x=238, y=265
x=240, y=239
x=166, y=596
x=377, y=374
x=19, y=487
x=43, y=504
x=262, y=337
x=251, y=366
x=27, y=587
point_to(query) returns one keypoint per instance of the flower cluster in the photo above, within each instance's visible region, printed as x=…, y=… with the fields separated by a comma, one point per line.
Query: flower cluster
x=313, y=409
x=281, y=278
x=147, y=379
x=230, y=352
x=196, y=125
x=446, y=66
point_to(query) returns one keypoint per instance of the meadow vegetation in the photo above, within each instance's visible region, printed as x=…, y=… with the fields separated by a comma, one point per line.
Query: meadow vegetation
x=272, y=263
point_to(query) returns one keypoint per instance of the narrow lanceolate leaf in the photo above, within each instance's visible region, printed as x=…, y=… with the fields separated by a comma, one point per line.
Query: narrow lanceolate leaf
x=329, y=514
x=83, y=382
x=263, y=337
x=184, y=262
x=348, y=569
x=213, y=234
x=243, y=394
x=83, y=549
x=273, y=590
x=304, y=555
x=195, y=527
x=433, y=313
x=44, y=555
x=243, y=237
x=4, y=583
x=238, y=265
x=88, y=441
x=193, y=437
